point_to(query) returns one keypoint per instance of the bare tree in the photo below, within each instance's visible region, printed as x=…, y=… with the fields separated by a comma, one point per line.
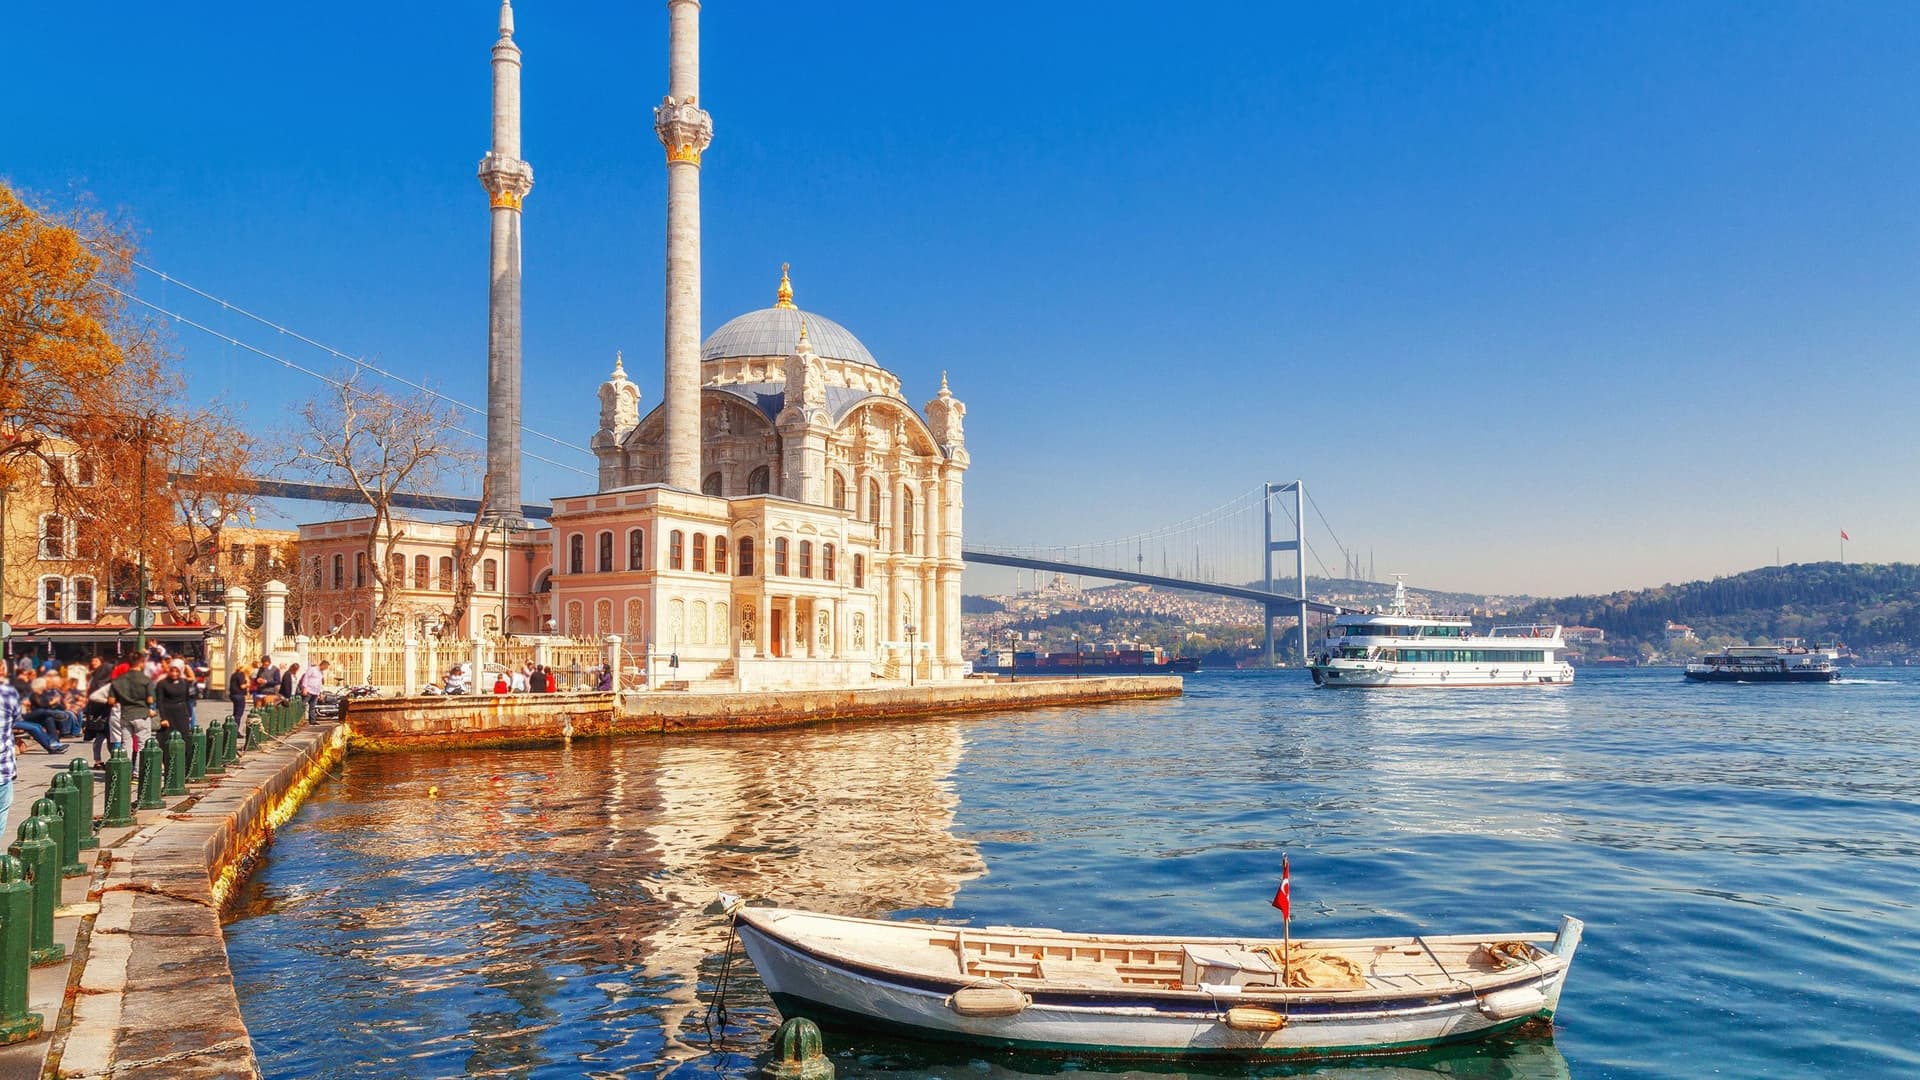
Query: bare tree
x=470, y=540
x=379, y=446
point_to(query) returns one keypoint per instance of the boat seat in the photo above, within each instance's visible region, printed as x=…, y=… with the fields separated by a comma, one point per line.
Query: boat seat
x=1079, y=972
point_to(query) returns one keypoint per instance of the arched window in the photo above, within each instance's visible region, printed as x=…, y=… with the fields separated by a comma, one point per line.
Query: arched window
x=53, y=600
x=53, y=539
x=605, y=546
x=490, y=575
x=319, y=575
x=839, y=490
x=83, y=597
x=446, y=573
x=83, y=475
x=873, y=501
x=576, y=554
x=780, y=555
x=359, y=569
x=746, y=557
x=339, y=571
x=826, y=561
x=757, y=481
x=700, y=552
x=396, y=570
x=859, y=571
x=636, y=549
x=711, y=485
x=806, y=558
x=906, y=520
x=422, y=572
x=720, y=554
x=676, y=550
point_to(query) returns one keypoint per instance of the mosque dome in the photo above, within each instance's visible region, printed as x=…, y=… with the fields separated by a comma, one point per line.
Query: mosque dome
x=775, y=331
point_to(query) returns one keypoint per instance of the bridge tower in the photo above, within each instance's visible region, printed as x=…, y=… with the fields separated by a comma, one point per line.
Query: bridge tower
x=1298, y=546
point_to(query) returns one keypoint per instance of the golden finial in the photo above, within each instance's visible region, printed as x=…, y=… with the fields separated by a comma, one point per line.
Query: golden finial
x=803, y=329
x=786, y=290
x=619, y=368
x=943, y=383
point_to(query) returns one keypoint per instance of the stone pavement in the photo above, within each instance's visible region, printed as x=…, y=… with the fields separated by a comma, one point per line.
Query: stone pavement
x=146, y=988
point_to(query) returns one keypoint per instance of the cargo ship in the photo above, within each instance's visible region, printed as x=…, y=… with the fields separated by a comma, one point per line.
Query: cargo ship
x=1103, y=661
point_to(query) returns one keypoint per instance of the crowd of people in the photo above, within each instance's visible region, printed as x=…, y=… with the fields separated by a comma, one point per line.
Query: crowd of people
x=529, y=678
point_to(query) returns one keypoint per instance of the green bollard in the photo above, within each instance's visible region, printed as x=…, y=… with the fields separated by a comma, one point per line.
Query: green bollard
x=197, y=756
x=150, y=777
x=233, y=740
x=175, y=757
x=217, y=748
x=16, y=949
x=61, y=796
x=299, y=711
x=37, y=849
x=82, y=779
x=256, y=734
x=798, y=1053
x=119, y=809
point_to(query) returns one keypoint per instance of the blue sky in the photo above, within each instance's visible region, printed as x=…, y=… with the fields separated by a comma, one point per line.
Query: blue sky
x=1536, y=297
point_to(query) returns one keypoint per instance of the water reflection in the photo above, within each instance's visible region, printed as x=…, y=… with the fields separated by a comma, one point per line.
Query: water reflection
x=509, y=913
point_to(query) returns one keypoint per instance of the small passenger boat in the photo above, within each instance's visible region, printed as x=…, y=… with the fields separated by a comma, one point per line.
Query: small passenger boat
x=1766, y=663
x=1148, y=997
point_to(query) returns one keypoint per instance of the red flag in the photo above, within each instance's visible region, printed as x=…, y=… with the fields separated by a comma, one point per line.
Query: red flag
x=1284, y=898
x=1844, y=536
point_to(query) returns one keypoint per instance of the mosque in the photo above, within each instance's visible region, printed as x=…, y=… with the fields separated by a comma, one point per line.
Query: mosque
x=782, y=518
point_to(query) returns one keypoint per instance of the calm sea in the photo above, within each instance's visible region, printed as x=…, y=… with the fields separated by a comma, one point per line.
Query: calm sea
x=1746, y=858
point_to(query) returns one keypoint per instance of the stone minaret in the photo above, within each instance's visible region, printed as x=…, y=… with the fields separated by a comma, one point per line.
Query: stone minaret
x=685, y=130
x=507, y=180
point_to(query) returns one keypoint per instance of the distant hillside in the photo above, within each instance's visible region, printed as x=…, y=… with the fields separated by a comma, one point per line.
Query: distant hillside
x=1868, y=606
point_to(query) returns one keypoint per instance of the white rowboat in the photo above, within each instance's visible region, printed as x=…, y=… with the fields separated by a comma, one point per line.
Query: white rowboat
x=1122, y=995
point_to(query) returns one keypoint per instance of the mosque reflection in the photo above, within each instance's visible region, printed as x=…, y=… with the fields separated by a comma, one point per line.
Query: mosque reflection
x=556, y=897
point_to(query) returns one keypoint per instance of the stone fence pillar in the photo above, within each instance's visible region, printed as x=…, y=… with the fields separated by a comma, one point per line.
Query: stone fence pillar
x=273, y=615
x=410, y=665
x=477, y=674
x=614, y=659
x=300, y=644
x=236, y=628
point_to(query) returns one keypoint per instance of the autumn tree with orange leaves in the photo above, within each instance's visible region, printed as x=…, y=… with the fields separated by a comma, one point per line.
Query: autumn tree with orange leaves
x=88, y=396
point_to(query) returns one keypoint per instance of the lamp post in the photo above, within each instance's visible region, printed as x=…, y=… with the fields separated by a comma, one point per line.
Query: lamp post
x=910, y=656
x=1076, y=656
x=1013, y=654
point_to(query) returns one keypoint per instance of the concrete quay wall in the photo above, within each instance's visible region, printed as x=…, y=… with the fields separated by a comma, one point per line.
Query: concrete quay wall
x=516, y=720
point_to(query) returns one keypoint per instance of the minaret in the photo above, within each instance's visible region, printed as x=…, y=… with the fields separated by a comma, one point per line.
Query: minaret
x=507, y=180
x=685, y=130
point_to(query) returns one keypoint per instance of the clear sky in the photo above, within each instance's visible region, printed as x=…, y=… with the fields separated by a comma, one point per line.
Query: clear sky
x=1536, y=297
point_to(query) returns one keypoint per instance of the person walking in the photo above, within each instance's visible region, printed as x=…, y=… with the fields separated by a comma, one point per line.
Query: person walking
x=133, y=691
x=313, y=683
x=97, y=724
x=237, y=693
x=173, y=700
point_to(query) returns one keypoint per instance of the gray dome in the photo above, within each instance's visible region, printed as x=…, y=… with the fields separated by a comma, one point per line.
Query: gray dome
x=775, y=331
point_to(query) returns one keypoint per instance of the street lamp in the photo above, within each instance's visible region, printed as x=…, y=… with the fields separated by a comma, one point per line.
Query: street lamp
x=1013, y=654
x=910, y=657
x=1076, y=656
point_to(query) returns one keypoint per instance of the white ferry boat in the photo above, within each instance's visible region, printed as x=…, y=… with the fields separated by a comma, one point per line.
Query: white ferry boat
x=1395, y=648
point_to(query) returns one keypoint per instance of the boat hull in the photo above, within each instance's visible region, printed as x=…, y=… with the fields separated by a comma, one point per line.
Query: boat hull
x=1143, y=1025
x=1336, y=674
x=1817, y=676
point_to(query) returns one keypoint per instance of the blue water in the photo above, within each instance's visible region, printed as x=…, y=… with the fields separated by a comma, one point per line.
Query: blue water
x=1746, y=858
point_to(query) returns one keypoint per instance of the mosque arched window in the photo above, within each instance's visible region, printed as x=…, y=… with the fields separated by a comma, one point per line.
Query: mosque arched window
x=873, y=501
x=339, y=571
x=636, y=549
x=676, y=550
x=396, y=571
x=422, y=572
x=839, y=490
x=446, y=573
x=359, y=569
x=720, y=554
x=758, y=480
x=700, y=552
x=826, y=561
x=604, y=546
x=490, y=575
x=906, y=520
x=576, y=553
x=780, y=556
x=859, y=571
x=745, y=567
x=319, y=576
x=806, y=558
x=711, y=485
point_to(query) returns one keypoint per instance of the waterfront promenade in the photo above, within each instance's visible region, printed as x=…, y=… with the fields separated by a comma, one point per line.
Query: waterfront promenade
x=145, y=985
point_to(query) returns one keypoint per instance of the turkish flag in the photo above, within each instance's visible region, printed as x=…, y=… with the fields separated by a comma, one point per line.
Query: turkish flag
x=1284, y=898
x=1844, y=536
